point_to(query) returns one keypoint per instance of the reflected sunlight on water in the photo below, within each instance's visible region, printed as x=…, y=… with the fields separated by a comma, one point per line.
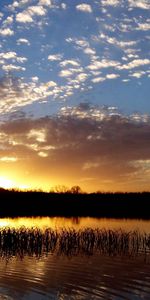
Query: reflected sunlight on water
x=77, y=223
x=116, y=268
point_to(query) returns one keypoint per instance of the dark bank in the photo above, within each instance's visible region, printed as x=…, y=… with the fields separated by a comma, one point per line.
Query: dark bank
x=38, y=203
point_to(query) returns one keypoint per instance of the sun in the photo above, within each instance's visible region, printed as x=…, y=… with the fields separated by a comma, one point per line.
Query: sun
x=6, y=183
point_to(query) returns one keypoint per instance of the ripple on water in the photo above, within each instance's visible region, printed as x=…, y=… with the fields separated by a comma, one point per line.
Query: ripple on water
x=102, y=275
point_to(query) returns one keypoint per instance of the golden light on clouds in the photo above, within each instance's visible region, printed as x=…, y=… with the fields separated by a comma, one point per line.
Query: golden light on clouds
x=76, y=149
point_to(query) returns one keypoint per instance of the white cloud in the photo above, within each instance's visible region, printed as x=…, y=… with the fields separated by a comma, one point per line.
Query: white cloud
x=35, y=78
x=115, y=42
x=143, y=26
x=70, y=72
x=6, y=32
x=112, y=76
x=45, y=2
x=134, y=64
x=18, y=4
x=111, y=2
x=81, y=77
x=98, y=79
x=54, y=57
x=65, y=73
x=11, y=67
x=12, y=55
x=21, y=59
x=23, y=41
x=125, y=80
x=89, y=51
x=37, y=10
x=8, y=21
x=63, y=5
x=143, y=4
x=104, y=63
x=24, y=17
x=132, y=56
x=17, y=93
x=72, y=62
x=8, y=55
x=50, y=84
x=138, y=74
x=84, y=7
x=81, y=43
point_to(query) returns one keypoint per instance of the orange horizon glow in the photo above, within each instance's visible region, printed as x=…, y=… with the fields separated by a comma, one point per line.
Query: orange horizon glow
x=31, y=176
x=8, y=182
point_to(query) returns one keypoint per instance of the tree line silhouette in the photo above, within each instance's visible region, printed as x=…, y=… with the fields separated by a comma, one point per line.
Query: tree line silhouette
x=74, y=203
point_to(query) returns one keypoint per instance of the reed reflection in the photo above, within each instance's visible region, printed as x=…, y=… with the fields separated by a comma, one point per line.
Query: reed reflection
x=70, y=242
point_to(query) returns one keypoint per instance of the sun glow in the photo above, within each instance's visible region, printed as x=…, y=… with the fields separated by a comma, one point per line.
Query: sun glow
x=6, y=183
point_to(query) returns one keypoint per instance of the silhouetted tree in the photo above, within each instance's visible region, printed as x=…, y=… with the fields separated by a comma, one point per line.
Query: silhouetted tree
x=60, y=189
x=76, y=189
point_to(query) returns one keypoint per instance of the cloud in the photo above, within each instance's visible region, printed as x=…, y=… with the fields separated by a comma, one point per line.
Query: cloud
x=71, y=62
x=10, y=67
x=23, y=41
x=81, y=77
x=98, y=79
x=143, y=4
x=8, y=21
x=82, y=142
x=8, y=159
x=35, y=78
x=27, y=15
x=138, y=74
x=89, y=51
x=112, y=76
x=70, y=72
x=134, y=64
x=63, y=5
x=17, y=93
x=45, y=3
x=5, y=56
x=36, y=10
x=80, y=42
x=143, y=26
x=108, y=76
x=6, y=32
x=8, y=55
x=84, y=7
x=104, y=63
x=55, y=57
x=65, y=73
x=24, y=17
x=115, y=42
x=111, y=2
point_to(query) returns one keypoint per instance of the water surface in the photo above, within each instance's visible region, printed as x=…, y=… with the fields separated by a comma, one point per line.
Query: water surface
x=53, y=274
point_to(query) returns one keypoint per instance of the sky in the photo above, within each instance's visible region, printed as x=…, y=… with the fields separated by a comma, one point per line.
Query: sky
x=74, y=94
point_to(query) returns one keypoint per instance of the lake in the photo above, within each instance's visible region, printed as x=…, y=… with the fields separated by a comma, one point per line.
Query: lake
x=74, y=258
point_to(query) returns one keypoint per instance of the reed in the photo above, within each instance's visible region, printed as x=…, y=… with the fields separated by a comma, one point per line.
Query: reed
x=70, y=242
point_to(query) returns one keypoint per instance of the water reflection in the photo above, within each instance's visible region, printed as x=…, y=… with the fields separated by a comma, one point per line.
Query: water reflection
x=74, y=262
x=57, y=223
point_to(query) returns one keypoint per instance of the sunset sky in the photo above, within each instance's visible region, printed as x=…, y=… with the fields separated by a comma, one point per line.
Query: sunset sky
x=75, y=94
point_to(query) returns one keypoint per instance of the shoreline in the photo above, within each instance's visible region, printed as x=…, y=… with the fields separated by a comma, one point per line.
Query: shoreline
x=109, y=205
